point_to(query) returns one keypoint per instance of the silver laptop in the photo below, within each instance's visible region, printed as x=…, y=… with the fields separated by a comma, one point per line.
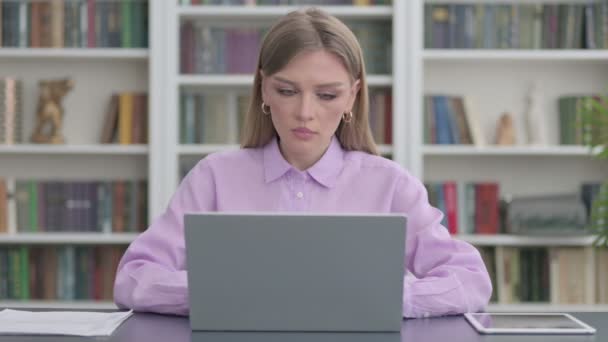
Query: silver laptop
x=292, y=272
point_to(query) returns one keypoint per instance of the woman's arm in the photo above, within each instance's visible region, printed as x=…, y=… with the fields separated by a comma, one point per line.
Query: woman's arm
x=446, y=276
x=151, y=275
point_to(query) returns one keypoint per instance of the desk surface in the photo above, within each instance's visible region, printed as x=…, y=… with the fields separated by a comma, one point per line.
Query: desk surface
x=151, y=328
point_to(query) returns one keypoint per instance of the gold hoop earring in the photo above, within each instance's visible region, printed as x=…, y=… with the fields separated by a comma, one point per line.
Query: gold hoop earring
x=264, y=106
x=347, y=117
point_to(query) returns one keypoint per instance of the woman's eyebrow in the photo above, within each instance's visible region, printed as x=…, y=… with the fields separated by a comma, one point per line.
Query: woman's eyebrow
x=324, y=85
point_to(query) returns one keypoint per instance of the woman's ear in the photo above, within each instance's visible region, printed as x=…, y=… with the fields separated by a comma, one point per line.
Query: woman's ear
x=262, y=78
x=354, y=92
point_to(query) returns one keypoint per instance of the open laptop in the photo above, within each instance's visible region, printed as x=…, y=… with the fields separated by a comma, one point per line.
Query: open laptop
x=295, y=272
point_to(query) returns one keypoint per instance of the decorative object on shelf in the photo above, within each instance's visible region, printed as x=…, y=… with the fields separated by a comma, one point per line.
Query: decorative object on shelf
x=535, y=129
x=548, y=215
x=505, y=130
x=11, y=118
x=49, y=116
x=595, y=114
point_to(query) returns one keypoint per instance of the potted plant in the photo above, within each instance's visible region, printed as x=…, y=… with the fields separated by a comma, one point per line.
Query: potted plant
x=594, y=114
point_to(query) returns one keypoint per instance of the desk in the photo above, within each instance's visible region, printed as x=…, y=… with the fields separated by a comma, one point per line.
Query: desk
x=143, y=327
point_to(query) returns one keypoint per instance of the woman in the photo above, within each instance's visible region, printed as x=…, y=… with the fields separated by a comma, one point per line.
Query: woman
x=307, y=147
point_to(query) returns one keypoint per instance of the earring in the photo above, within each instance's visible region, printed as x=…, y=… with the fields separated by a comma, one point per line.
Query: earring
x=264, y=106
x=347, y=117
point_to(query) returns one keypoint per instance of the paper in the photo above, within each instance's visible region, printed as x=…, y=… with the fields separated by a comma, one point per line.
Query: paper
x=79, y=323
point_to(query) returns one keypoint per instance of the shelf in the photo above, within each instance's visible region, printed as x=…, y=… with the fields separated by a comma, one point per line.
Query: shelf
x=515, y=151
x=75, y=53
x=247, y=80
x=67, y=238
x=238, y=13
x=522, y=240
x=98, y=149
x=202, y=149
x=546, y=307
x=476, y=55
x=46, y=304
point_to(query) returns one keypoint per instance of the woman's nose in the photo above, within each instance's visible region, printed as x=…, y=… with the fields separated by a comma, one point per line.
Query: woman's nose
x=306, y=108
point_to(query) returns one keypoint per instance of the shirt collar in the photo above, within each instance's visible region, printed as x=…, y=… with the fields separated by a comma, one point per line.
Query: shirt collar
x=325, y=171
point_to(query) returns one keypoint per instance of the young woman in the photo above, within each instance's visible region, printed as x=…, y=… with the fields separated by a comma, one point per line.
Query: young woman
x=307, y=147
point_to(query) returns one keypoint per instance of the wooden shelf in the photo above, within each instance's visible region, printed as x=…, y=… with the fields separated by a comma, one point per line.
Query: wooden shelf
x=98, y=149
x=515, y=151
x=75, y=53
x=68, y=238
x=522, y=240
x=247, y=80
x=238, y=13
x=511, y=55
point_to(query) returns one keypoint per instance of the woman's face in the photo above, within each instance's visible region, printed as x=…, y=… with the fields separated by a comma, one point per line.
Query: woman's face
x=307, y=99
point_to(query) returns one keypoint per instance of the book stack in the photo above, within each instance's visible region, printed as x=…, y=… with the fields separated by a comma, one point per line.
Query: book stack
x=126, y=119
x=74, y=23
x=11, y=118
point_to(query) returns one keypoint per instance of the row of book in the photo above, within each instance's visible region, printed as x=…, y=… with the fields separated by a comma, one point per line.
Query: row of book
x=479, y=208
x=579, y=122
x=58, y=272
x=11, y=109
x=516, y=26
x=555, y=275
x=286, y=2
x=126, y=119
x=468, y=207
x=205, y=118
x=74, y=23
x=31, y=206
x=234, y=50
x=450, y=120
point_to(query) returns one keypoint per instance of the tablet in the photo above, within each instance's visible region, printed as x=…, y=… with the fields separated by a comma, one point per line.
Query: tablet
x=527, y=323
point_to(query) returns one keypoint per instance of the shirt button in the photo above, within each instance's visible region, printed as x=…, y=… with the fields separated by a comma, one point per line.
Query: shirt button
x=300, y=194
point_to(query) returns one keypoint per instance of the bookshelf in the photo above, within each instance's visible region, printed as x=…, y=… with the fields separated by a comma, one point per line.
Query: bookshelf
x=497, y=80
x=98, y=69
x=237, y=83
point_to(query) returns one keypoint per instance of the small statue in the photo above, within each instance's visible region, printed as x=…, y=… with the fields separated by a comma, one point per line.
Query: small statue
x=49, y=116
x=505, y=131
x=535, y=129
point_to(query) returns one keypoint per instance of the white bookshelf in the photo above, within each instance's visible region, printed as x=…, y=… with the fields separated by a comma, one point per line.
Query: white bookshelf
x=203, y=149
x=524, y=56
x=497, y=81
x=93, y=149
x=481, y=74
x=521, y=241
x=235, y=13
x=62, y=238
x=71, y=305
x=547, y=307
x=75, y=53
x=97, y=73
x=515, y=151
x=245, y=81
x=256, y=16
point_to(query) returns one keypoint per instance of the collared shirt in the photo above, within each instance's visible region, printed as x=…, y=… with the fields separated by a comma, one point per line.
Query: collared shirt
x=443, y=275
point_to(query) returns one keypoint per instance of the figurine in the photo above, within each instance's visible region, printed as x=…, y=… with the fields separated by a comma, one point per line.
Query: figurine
x=49, y=116
x=505, y=131
x=535, y=130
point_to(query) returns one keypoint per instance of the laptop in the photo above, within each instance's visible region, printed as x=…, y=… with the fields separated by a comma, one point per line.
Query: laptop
x=295, y=272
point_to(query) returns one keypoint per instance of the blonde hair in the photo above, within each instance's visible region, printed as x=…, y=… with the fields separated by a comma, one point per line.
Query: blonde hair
x=310, y=30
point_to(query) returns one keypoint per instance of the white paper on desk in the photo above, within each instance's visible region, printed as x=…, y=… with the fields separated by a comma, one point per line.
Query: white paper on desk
x=80, y=323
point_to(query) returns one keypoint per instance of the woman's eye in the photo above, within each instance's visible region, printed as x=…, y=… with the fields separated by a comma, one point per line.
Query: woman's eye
x=286, y=92
x=327, y=97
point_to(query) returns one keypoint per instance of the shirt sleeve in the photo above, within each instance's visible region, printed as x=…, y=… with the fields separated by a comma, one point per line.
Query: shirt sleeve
x=151, y=275
x=443, y=275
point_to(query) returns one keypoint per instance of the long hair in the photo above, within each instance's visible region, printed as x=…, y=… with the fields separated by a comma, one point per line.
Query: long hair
x=310, y=30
